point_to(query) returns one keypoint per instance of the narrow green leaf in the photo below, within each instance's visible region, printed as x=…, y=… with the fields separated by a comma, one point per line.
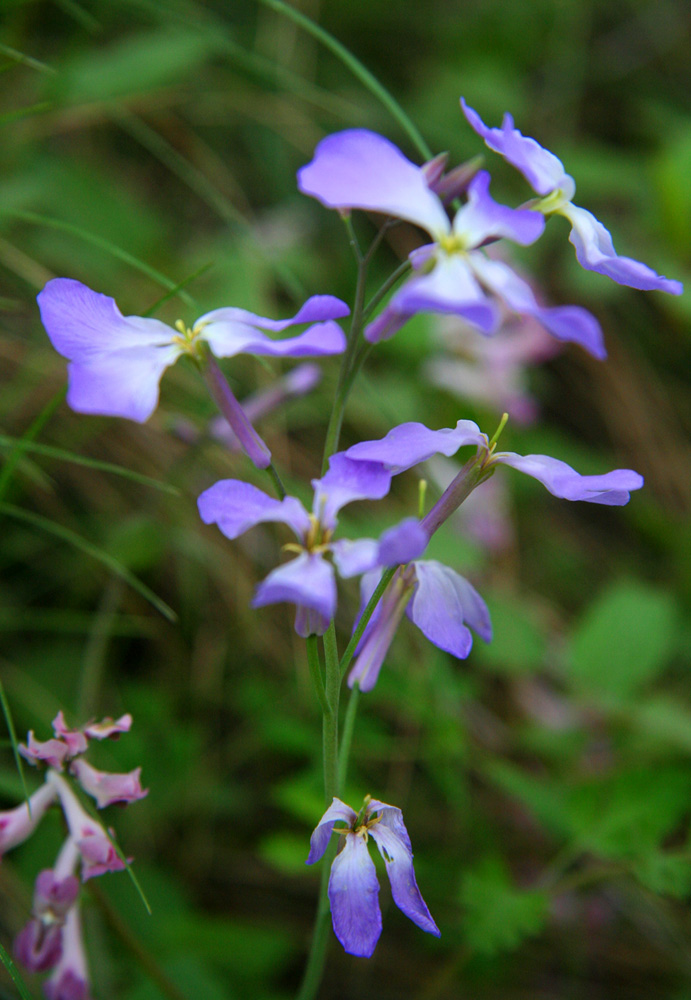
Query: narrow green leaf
x=91, y=463
x=14, y=975
x=32, y=431
x=66, y=535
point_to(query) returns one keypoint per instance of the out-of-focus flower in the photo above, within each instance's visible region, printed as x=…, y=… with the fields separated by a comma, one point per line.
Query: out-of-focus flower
x=108, y=788
x=116, y=362
x=19, y=823
x=309, y=581
x=38, y=946
x=97, y=851
x=546, y=175
x=70, y=979
x=353, y=883
x=360, y=169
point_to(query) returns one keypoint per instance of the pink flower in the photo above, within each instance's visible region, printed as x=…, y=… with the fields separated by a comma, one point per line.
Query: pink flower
x=108, y=788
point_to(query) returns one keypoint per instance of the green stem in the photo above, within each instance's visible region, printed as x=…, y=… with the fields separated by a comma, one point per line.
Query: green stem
x=347, y=737
x=314, y=970
x=388, y=284
x=332, y=690
x=316, y=671
x=357, y=69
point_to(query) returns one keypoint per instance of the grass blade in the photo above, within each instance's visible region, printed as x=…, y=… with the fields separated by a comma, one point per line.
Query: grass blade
x=23, y=443
x=14, y=975
x=84, y=545
x=15, y=744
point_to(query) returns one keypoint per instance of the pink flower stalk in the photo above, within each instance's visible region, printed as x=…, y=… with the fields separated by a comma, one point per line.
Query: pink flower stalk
x=96, y=849
x=16, y=825
x=109, y=788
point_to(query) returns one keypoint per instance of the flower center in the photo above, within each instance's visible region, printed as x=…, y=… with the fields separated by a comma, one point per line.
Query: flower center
x=454, y=243
x=187, y=339
x=317, y=539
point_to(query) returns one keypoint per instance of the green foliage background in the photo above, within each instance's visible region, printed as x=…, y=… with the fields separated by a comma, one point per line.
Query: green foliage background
x=546, y=782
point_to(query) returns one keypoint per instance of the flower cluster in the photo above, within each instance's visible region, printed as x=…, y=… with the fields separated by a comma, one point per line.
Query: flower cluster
x=52, y=939
x=115, y=366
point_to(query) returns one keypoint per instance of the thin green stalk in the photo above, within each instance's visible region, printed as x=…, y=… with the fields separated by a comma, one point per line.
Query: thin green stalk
x=9, y=721
x=388, y=284
x=22, y=444
x=13, y=973
x=316, y=671
x=321, y=936
x=357, y=69
x=347, y=737
x=332, y=688
x=365, y=617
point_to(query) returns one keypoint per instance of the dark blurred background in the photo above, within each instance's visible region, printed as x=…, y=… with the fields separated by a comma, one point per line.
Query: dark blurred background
x=150, y=147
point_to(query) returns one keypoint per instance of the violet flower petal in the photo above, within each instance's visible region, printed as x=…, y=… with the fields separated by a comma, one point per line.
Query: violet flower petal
x=405, y=541
x=437, y=608
x=398, y=857
x=109, y=729
x=482, y=217
x=236, y=506
x=19, y=823
x=116, y=361
x=108, y=788
x=316, y=309
x=347, y=481
x=353, y=894
x=595, y=252
x=74, y=738
x=411, y=443
x=568, y=323
x=611, y=488
x=307, y=580
x=319, y=840
x=360, y=169
x=228, y=338
x=50, y=752
x=380, y=630
x=542, y=169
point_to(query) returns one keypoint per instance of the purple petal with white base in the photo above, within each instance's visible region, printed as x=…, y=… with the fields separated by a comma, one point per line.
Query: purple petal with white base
x=228, y=338
x=116, y=361
x=411, y=443
x=611, y=488
x=482, y=217
x=308, y=580
x=360, y=169
x=316, y=309
x=345, y=482
x=19, y=823
x=319, y=840
x=568, y=323
x=449, y=288
x=542, y=169
x=438, y=608
x=393, y=842
x=236, y=506
x=595, y=252
x=353, y=895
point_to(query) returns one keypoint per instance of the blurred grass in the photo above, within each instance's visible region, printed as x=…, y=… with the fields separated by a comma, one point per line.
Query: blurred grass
x=545, y=781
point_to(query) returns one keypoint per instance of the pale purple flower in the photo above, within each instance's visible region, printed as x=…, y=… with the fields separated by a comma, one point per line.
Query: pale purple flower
x=360, y=169
x=38, y=946
x=308, y=580
x=116, y=362
x=54, y=753
x=70, y=979
x=353, y=883
x=17, y=824
x=74, y=738
x=107, y=729
x=108, y=788
x=442, y=604
x=411, y=443
x=546, y=175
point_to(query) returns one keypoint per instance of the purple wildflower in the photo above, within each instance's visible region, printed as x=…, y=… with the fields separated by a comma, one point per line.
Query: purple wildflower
x=353, y=884
x=70, y=979
x=116, y=362
x=108, y=788
x=309, y=580
x=17, y=824
x=546, y=175
x=38, y=946
x=94, y=845
x=360, y=169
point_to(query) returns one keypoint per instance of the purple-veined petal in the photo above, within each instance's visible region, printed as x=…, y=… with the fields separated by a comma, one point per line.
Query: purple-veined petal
x=316, y=309
x=393, y=842
x=345, y=482
x=448, y=288
x=542, y=169
x=482, y=217
x=611, y=488
x=437, y=608
x=353, y=894
x=567, y=323
x=595, y=252
x=360, y=169
x=236, y=506
x=116, y=361
x=307, y=580
x=319, y=840
x=226, y=338
x=410, y=443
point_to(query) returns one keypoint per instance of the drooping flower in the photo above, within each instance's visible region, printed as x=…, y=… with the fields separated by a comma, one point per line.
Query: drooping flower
x=106, y=787
x=97, y=851
x=19, y=823
x=116, y=362
x=436, y=598
x=308, y=580
x=353, y=883
x=360, y=169
x=38, y=946
x=70, y=978
x=546, y=175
